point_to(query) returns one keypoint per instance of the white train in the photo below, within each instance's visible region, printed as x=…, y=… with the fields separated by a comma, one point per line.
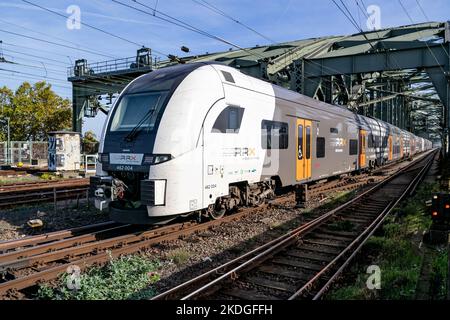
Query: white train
x=205, y=138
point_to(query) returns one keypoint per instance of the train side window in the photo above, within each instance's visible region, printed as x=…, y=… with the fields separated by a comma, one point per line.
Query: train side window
x=334, y=130
x=228, y=77
x=370, y=141
x=320, y=147
x=353, y=147
x=274, y=135
x=308, y=142
x=229, y=120
x=300, y=142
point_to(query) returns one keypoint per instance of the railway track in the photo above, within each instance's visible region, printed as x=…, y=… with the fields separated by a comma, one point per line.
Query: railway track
x=32, y=260
x=7, y=173
x=303, y=263
x=35, y=192
x=349, y=183
x=35, y=259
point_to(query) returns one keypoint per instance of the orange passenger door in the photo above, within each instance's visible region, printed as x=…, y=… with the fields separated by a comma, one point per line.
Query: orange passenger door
x=390, y=148
x=303, y=151
x=362, y=148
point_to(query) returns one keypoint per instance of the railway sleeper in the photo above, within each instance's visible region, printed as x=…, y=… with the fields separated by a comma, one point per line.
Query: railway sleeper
x=303, y=275
x=248, y=294
x=293, y=262
x=271, y=284
x=310, y=255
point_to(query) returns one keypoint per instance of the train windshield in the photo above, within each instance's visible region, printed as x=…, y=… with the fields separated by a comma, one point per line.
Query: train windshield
x=138, y=109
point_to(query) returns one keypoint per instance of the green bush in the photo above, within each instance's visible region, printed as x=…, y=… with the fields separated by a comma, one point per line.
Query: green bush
x=128, y=277
x=179, y=256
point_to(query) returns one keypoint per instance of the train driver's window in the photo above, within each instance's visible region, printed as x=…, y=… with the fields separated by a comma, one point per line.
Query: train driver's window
x=229, y=120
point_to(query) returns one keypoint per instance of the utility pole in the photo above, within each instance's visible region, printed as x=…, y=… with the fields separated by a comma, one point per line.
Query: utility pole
x=8, y=143
x=8, y=155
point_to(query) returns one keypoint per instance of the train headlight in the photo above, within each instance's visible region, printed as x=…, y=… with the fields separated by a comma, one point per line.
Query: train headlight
x=161, y=158
x=156, y=158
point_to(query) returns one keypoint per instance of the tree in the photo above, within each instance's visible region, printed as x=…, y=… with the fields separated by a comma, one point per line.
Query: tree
x=90, y=137
x=90, y=142
x=6, y=96
x=34, y=111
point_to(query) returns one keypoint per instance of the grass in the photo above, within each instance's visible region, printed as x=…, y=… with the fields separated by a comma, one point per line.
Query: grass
x=400, y=269
x=7, y=180
x=48, y=176
x=128, y=277
x=179, y=256
x=439, y=269
x=338, y=199
x=397, y=255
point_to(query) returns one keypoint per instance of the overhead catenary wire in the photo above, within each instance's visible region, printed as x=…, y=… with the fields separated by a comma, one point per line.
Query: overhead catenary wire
x=358, y=28
x=19, y=79
x=428, y=19
x=40, y=78
x=355, y=23
x=53, y=43
x=175, y=21
x=61, y=64
x=426, y=43
x=380, y=40
x=29, y=74
x=352, y=20
x=215, y=9
x=66, y=63
x=43, y=33
x=92, y=26
x=39, y=67
x=363, y=33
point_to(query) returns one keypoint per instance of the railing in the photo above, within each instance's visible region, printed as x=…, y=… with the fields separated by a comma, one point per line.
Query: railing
x=24, y=152
x=89, y=163
x=36, y=153
x=107, y=66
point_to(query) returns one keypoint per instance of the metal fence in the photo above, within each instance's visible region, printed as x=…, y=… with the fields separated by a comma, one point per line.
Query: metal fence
x=25, y=152
x=36, y=153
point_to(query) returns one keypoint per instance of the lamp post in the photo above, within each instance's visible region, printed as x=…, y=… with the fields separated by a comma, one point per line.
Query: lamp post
x=8, y=156
x=8, y=143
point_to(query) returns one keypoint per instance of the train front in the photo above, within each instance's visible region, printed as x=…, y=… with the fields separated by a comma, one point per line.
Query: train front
x=150, y=159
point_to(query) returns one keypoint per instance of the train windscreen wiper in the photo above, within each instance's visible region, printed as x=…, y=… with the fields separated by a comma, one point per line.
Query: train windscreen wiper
x=135, y=131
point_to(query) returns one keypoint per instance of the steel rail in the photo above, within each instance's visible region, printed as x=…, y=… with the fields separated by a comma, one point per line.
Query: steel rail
x=35, y=251
x=41, y=185
x=267, y=250
x=371, y=229
x=121, y=248
x=52, y=236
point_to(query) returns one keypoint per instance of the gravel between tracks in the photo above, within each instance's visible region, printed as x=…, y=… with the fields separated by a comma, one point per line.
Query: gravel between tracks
x=13, y=222
x=192, y=255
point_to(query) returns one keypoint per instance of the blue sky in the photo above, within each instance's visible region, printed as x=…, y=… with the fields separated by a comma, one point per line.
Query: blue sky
x=281, y=20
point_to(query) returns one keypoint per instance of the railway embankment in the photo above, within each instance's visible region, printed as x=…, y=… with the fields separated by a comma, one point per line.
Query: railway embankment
x=409, y=266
